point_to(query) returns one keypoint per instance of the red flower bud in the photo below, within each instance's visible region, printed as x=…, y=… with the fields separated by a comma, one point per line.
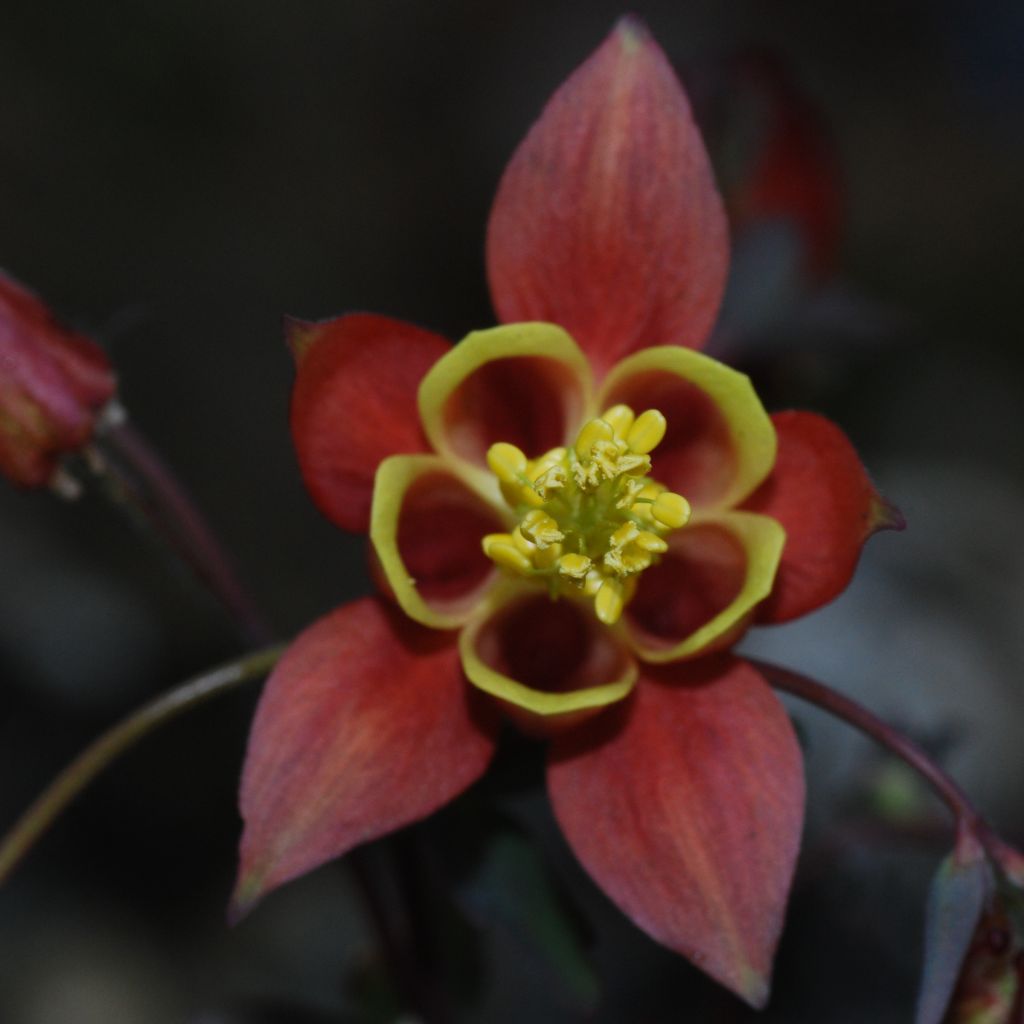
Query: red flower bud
x=53, y=383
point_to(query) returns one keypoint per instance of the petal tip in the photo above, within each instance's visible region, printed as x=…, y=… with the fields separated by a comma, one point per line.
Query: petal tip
x=754, y=988
x=885, y=515
x=299, y=335
x=249, y=890
x=632, y=31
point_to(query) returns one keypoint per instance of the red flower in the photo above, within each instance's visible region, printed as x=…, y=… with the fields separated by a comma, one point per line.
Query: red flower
x=527, y=476
x=52, y=385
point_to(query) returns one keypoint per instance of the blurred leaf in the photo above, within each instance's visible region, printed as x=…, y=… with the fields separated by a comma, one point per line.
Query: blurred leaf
x=954, y=908
x=510, y=884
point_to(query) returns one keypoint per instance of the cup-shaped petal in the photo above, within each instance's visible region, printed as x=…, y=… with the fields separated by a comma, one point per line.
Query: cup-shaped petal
x=703, y=592
x=426, y=526
x=525, y=384
x=550, y=663
x=719, y=443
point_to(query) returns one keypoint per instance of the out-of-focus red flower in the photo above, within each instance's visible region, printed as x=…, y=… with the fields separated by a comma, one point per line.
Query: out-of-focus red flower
x=53, y=384
x=792, y=173
x=575, y=515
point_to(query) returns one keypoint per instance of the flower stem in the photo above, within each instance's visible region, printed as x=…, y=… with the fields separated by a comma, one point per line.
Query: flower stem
x=967, y=816
x=140, y=478
x=70, y=782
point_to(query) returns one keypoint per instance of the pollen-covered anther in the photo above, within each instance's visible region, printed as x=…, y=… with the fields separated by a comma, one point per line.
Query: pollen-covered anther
x=592, y=432
x=539, y=527
x=574, y=568
x=553, y=479
x=590, y=518
x=625, y=556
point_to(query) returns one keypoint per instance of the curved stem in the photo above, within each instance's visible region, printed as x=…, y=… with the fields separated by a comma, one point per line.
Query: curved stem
x=967, y=816
x=73, y=779
x=167, y=506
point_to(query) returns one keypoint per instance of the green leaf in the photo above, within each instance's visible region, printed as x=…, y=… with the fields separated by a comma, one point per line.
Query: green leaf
x=955, y=903
x=511, y=885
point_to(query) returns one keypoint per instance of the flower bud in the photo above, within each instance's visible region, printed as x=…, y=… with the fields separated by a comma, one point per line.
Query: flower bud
x=989, y=988
x=53, y=383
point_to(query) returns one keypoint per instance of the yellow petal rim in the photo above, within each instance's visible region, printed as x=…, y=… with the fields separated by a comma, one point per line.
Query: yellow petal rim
x=763, y=539
x=395, y=475
x=540, y=702
x=750, y=428
x=510, y=341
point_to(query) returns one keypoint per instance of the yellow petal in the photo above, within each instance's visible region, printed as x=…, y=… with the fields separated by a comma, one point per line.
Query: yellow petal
x=750, y=430
x=454, y=430
x=615, y=660
x=431, y=478
x=762, y=540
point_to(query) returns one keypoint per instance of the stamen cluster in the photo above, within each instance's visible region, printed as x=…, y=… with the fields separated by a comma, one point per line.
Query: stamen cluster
x=590, y=517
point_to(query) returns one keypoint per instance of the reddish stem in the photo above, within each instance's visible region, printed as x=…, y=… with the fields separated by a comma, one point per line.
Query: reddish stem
x=969, y=820
x=166, y=505
x=51, y=803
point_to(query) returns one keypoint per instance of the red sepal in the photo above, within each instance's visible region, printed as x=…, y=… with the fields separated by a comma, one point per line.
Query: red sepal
x=821, y=494
x=607, y=221
x=686, y=808
x=354, y=403
x=365, y=726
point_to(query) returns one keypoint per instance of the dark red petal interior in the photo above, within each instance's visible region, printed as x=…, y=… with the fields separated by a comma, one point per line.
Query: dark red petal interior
x=527, y=401
x=554, y=646
x=440, y=528
x=697, y=458
x=699, y=576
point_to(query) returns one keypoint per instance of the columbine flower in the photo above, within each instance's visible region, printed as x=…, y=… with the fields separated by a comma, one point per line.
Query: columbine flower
x=53, y=384
x=582, y=517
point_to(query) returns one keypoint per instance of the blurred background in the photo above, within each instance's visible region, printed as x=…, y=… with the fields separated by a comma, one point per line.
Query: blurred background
x=176, y=176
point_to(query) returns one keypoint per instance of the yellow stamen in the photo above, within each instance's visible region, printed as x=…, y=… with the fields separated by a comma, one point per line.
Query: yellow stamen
x=590, y=518
x=500, y=548
x=619, y=418
x=575, y=567
x=671, y=510
x=651, y=542
x=507, y=462
x=521, y=543
x=608, y=604
x=646, y=433
x=592, y=432
x=539, y=527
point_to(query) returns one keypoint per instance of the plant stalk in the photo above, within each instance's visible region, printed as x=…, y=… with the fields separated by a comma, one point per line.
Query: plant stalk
x=108, y=747
x=139, y=477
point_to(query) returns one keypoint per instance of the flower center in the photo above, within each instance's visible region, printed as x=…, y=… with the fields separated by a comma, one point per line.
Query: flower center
x=590, y=518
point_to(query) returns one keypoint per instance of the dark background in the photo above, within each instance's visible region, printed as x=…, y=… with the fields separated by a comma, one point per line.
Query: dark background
x=176, y=176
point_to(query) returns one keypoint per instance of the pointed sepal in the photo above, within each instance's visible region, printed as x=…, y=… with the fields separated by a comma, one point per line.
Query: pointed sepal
x=365, y=725
x=686, y=806
x=607, y=221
